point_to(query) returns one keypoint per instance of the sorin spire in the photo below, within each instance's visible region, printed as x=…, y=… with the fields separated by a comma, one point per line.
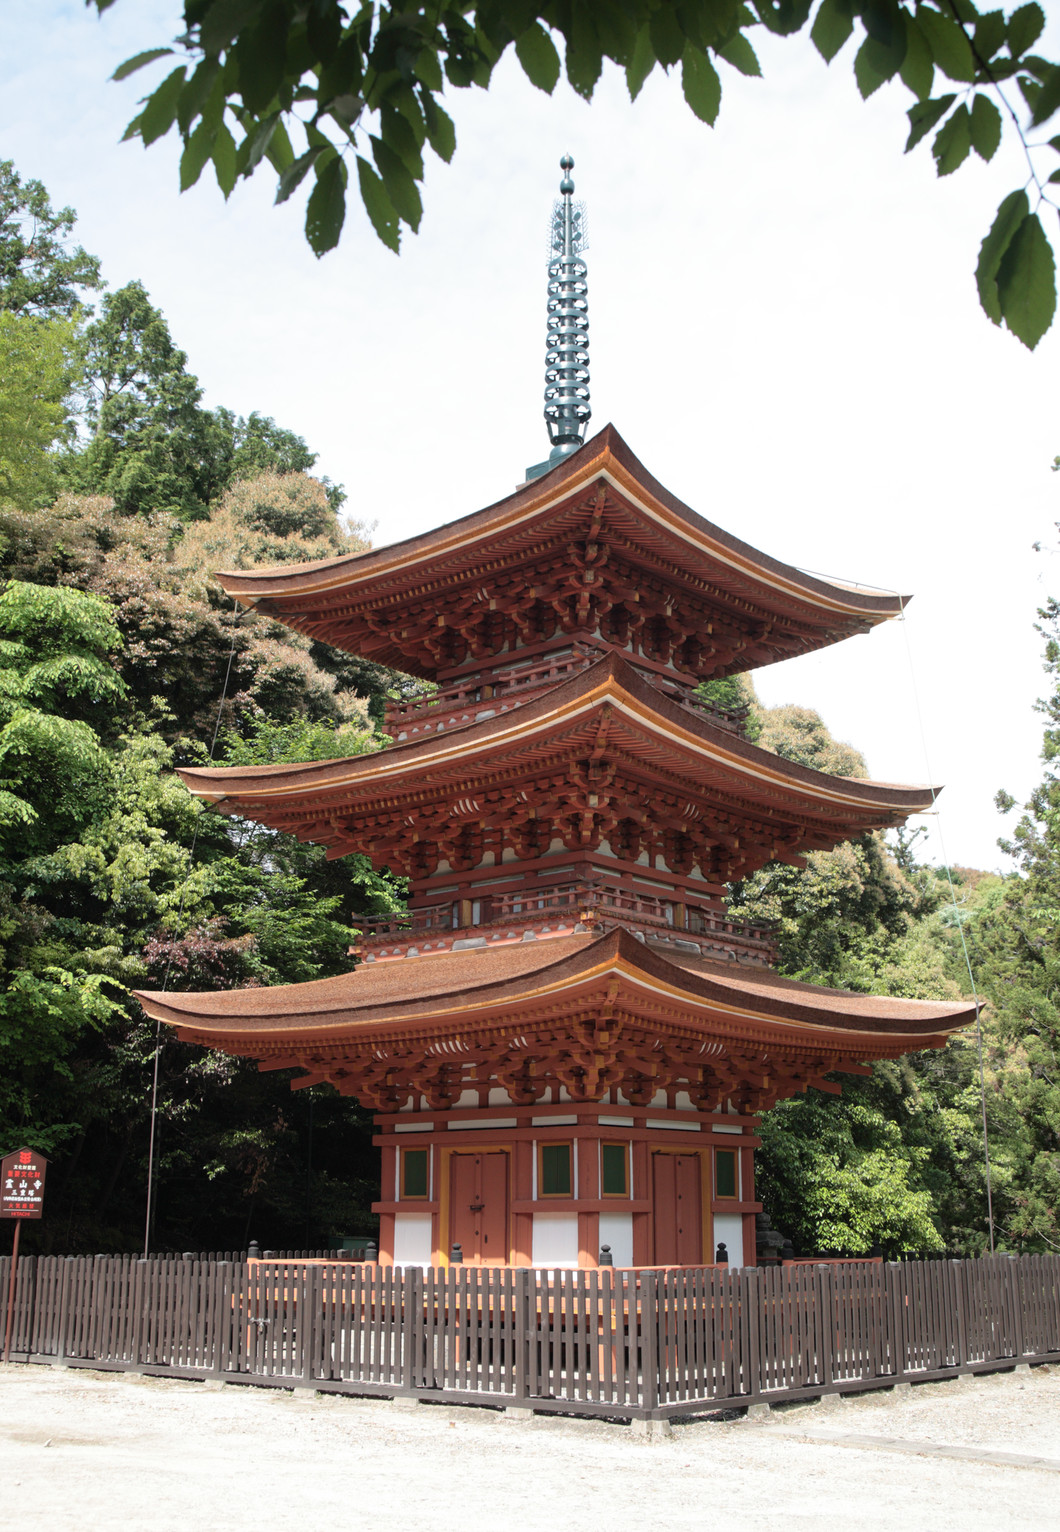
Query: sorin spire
x=567, y=356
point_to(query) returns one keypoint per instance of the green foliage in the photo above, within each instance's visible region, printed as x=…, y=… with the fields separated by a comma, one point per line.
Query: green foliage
x=370, y=80
x=40, y=368
x=39, y=275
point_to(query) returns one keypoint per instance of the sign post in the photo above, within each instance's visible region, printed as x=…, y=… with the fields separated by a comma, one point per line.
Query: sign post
x=22, y=1176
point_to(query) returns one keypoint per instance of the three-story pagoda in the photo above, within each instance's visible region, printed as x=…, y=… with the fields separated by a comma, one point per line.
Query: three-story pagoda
x=567, y=1042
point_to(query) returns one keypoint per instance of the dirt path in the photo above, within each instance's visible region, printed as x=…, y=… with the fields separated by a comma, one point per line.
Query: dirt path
x=91, y=1450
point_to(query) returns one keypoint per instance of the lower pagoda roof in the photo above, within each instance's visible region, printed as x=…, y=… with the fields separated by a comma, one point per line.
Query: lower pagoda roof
x=585, y=1011
x=604, y=754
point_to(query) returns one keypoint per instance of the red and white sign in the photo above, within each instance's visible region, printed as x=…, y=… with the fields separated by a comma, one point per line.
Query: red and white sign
x=22, y=1176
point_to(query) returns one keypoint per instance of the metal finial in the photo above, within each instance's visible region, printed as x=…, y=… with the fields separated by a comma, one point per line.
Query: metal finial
x=567, y=356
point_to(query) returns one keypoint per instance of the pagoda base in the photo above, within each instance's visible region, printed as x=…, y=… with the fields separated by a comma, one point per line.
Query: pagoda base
x=552, y=1185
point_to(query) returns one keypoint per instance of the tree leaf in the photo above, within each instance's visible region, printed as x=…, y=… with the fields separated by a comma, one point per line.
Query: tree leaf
x=739, y=53
x=641, y=64
x=918, y=67
x=138, y=61
x=875, y=63
x=953, y=142
x=378, y=206
x=326, y=209
x=1010, y=215
x=1049, y=98
x=296, y=171
x=585, y=59
x=278, y=150
x=536, y=52
x=161, y=107
x=224, y=160
x=1025, y=26
x=667, y=38
x=701, y=85
x=832, y=27
x=1026, y=282
x=441, y=135
x=989, y=34
x=258, y=142
x=950, y=47
x=222, y=21
x=783, y=16
x=400, y=186
x=924, y=116
x=986, y=127
x=196, y=153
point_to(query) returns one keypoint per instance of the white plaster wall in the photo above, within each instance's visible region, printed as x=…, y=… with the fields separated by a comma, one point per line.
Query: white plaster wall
x=728, y=1230
x=616, y=1230
x=555, y=1239
x=412, y=1239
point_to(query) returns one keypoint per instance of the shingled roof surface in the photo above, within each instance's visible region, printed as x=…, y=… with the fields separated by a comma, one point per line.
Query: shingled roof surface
x=418, y=988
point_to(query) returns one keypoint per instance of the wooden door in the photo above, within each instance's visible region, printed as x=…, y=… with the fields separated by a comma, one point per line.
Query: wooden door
x=478, y=1206
x=677, y=1209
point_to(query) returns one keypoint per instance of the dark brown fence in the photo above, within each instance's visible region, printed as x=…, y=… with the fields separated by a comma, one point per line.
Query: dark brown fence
x=624, y=1343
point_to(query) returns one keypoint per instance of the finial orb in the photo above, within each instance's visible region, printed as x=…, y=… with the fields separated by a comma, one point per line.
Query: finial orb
x=566, y=186
x=566, y=163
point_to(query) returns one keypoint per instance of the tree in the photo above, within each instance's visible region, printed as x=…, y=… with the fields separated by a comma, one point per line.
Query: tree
x=41, y=366
x=39, y=274
x=352, y=82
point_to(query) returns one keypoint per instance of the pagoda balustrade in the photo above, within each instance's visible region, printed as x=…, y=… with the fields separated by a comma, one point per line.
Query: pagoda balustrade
x=472, y=699
x=597, y=904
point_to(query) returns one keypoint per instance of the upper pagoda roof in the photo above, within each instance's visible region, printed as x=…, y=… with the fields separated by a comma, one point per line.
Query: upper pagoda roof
x=605, y=743
x=598, y=529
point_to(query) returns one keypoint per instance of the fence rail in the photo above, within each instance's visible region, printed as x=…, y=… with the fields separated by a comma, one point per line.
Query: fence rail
x=615, y=1342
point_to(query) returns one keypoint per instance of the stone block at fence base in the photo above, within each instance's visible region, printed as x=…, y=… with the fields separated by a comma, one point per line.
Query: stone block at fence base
x=214, y=1383
x=903, y=1387
x=830, y=1401
x=1022, y=1367
x=758, y=1411
x=654, y=1428
x=405, y=1402
x=518, y=1412
x=966, y=1377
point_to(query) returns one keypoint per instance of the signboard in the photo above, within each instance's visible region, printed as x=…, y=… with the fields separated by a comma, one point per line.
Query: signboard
x=22, y=1176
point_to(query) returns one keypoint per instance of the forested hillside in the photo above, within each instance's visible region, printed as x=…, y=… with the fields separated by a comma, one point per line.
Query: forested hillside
x=119, y=493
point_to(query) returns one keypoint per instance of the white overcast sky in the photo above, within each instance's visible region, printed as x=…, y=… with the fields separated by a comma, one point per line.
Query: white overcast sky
x=784, y=324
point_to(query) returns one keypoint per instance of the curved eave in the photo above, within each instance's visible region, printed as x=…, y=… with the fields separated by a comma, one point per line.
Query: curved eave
x=256, y=791
x=606, y=455
x=435, y=996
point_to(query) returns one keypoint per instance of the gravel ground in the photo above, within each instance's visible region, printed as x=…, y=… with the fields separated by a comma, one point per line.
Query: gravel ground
x=88, y=1450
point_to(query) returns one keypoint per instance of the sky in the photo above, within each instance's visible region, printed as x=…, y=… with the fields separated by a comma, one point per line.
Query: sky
x=784, y=328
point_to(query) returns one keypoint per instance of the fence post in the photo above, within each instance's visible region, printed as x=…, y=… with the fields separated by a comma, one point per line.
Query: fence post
x=826, y=1309
x=523, y=1341
x=1014, y=1279
x=961, y=1297
x=410, y=1281
x=752, y=1304
x=222, y=1319
x=649, y=1301
x=309, y=1327
x=899, y=1349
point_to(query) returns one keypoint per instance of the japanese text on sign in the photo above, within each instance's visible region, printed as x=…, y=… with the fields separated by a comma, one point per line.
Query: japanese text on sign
x=22, y=1175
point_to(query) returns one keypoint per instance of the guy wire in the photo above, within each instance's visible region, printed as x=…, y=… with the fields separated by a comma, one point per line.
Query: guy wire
x=149, y=1209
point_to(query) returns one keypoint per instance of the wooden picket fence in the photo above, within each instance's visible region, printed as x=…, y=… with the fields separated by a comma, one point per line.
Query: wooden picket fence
x=632, y=1344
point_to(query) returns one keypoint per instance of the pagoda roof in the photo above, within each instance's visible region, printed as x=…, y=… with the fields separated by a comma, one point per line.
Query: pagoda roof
x=598, y=527
x=606, y=736
x=509, y=996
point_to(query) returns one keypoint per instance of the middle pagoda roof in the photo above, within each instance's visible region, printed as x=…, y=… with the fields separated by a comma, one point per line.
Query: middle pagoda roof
x=603, y=755
x=596, y=543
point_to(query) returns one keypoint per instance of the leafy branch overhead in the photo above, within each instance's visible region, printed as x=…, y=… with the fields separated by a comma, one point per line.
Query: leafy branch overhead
x=332, y=93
